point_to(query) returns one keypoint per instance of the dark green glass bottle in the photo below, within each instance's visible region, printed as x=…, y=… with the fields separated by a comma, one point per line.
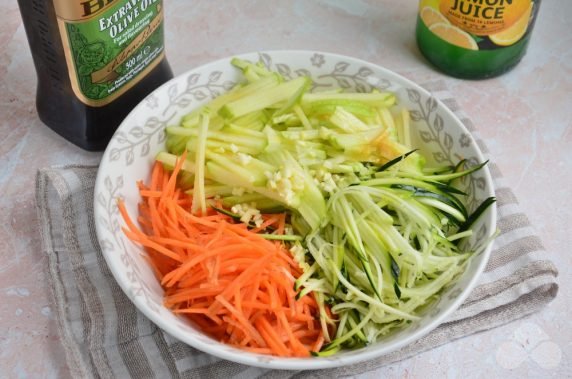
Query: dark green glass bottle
x=475, y=39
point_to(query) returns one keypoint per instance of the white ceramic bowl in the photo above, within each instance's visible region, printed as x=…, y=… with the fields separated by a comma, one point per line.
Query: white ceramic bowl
x=129, y=155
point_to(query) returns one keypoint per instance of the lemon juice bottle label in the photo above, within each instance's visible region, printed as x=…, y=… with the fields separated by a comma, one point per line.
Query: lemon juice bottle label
x=475, y=38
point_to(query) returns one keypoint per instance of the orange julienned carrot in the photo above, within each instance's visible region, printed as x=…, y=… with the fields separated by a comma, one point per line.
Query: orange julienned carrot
x=232, y=283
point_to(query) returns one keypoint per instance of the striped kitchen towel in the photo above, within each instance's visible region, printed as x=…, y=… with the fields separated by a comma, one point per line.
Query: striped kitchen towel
x=105, y=336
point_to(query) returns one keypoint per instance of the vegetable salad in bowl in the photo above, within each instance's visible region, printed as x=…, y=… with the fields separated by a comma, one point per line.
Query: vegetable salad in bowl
x=302, y=215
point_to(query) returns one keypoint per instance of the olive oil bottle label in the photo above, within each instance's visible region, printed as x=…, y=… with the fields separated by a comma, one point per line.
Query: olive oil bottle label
x=479, y=24
x=109, y=44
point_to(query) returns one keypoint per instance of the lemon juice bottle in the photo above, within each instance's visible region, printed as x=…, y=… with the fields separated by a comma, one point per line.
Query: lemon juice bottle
x=475, y=39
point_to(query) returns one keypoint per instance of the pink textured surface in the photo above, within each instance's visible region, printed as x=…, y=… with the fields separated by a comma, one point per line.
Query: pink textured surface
x=524, y=117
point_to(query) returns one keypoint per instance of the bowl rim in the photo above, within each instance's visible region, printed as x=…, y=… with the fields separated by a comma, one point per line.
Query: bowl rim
x=259, y=360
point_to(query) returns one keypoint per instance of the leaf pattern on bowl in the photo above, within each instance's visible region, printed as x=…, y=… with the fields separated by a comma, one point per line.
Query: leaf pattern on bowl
x=357, y=81
x=110, y=220
x=340, y=75
x=197, y=90
x=427, y=111
x=137, y=141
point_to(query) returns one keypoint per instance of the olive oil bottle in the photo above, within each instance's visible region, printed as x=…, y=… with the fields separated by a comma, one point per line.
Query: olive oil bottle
x=95, y=60
x=475, y=39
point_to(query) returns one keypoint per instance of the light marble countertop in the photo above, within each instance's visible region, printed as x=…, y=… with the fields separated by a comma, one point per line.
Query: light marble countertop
x=525, y=117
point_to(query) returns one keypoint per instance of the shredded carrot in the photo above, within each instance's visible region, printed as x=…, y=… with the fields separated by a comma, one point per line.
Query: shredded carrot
x=233, y=284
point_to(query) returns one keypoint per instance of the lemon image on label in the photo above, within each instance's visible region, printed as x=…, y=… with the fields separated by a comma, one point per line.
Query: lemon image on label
x=431, y=16
x=514, y=33
x=454, y=35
